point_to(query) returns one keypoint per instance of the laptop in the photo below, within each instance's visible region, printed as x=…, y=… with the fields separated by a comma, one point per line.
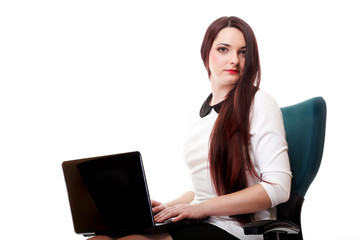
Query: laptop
x=109, y=195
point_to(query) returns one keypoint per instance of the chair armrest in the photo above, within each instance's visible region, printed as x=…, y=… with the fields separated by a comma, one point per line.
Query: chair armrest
x=262, y=227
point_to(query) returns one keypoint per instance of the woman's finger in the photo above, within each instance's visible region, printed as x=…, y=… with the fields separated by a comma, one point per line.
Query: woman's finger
x=155, y=203
x=165, y=214
x=178, y=218
x=158, y=209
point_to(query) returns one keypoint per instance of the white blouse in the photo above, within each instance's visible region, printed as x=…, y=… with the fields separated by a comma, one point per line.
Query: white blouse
x=268, y=152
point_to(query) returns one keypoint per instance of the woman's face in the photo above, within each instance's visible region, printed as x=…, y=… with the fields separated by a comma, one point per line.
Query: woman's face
x=227, y=58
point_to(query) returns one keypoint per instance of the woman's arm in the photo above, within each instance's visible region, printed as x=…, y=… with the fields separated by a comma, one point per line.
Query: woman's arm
x=269, y=147
x=186, y=197
x=248, y=200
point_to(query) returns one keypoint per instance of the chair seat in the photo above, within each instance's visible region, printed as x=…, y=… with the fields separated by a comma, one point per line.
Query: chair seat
x=264, y=226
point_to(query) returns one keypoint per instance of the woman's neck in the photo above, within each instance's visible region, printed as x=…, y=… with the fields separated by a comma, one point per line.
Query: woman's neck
x=216, y=98
x=220, y=90
x=219, y=94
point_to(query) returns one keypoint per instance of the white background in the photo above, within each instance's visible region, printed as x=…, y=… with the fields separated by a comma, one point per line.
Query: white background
x=88, y=78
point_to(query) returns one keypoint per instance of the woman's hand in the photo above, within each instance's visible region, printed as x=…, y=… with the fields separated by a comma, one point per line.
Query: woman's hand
x=157, y=206
x=181, y=211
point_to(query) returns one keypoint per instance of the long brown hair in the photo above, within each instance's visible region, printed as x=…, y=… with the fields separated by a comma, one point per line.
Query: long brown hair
x=229, y=156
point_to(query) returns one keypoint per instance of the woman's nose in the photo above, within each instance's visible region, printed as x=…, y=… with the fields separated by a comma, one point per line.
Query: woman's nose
x=234, y=59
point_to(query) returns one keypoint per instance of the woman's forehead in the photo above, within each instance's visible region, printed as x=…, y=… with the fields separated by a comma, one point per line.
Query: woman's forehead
x=230, y=36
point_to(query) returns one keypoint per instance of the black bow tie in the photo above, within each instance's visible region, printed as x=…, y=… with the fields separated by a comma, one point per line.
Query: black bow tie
x=206, y=107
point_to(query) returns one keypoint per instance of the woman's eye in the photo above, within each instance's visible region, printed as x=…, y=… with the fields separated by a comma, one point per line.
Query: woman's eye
x=243, y=52
x=222, y=50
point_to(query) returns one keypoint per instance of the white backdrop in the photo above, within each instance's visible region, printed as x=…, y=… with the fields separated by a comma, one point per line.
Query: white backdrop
x=87, y=78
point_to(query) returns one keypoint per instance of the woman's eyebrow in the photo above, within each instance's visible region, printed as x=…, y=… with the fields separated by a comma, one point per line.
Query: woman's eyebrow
x=225, y=44
x=228, y=45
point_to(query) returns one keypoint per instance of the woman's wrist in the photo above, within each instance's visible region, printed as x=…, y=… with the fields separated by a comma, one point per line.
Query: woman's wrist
x=185, y=198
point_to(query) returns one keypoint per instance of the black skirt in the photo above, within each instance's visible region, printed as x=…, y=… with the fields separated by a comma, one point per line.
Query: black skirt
x=200, y=231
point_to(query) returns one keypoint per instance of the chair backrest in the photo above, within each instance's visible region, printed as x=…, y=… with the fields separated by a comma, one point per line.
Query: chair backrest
x=305, y=133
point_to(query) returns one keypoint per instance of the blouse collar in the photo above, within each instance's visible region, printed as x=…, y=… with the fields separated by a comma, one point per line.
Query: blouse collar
x=206, y=107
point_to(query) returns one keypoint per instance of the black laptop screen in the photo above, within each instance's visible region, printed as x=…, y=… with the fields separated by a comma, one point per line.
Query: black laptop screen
x=114, y=194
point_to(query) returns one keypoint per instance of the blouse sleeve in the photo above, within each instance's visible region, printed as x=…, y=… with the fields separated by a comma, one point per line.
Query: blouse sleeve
x=269, y=148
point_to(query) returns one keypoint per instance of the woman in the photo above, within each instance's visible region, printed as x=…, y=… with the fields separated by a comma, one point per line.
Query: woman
x=236, y=151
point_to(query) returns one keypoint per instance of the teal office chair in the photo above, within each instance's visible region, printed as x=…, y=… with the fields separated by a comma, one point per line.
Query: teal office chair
x=305, y=133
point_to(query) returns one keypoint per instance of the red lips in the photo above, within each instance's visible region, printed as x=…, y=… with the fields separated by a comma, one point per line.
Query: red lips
x=233, y=71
